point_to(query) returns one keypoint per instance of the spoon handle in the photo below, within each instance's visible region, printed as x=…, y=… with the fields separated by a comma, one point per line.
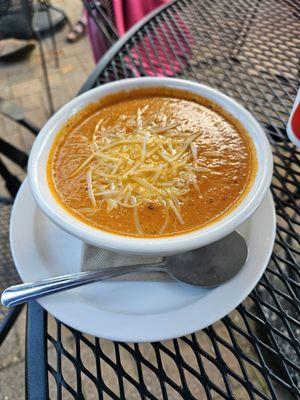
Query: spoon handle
x=24, y=292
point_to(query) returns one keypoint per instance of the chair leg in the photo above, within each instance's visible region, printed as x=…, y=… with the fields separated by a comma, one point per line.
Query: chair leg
x=36, y=353
x=62, y=13
x=13, y=153
x=30, y=126
x=8, y=322
x=45, y=74
x=52, y=35
x=12, y=183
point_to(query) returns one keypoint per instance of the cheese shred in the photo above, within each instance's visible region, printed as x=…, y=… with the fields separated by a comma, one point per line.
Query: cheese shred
x=152, y=164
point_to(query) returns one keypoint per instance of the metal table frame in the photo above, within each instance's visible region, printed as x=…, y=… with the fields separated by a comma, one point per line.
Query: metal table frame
x=273, y=345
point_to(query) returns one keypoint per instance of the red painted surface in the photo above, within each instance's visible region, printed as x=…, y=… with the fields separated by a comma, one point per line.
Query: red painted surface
x=295, y=122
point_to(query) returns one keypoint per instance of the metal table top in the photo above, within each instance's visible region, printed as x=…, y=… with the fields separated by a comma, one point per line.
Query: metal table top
x=250, y=50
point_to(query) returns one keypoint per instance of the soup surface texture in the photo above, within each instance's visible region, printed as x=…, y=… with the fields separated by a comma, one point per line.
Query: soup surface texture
x=151, y=162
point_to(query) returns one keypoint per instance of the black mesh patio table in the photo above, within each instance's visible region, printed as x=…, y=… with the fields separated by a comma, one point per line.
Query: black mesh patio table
x=249, y=50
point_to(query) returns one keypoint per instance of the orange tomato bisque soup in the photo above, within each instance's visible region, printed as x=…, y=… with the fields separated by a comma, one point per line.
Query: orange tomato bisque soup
x=151, y=162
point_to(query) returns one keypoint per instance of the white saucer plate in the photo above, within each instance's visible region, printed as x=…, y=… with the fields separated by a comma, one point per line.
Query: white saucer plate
x=131, y=311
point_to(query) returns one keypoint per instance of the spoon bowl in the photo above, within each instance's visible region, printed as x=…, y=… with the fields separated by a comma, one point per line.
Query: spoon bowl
x=211, y=265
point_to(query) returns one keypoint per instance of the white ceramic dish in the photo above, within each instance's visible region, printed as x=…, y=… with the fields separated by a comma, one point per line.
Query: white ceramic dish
x=130, y=311
x=157, y=246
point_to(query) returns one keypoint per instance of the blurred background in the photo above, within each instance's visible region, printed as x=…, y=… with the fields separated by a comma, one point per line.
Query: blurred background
x=22, y=80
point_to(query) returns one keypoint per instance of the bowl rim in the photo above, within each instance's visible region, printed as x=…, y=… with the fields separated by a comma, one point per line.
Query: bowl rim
x=161, y=245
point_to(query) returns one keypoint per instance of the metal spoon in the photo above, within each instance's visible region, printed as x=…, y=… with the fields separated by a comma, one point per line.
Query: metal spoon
x=209, y=266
